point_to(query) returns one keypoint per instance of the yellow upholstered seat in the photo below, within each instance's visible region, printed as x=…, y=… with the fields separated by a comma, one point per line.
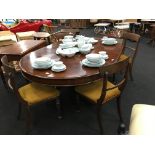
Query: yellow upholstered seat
x=123, y=57
x=29, y=35
x=34, y=93
x=93, y=91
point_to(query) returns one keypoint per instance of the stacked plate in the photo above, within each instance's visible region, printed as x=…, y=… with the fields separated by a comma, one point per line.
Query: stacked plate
x=42, y=63
x=109, y=41
x=92, y=41
x=93, y=60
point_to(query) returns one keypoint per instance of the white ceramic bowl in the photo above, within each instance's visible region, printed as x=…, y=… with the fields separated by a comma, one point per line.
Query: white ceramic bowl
x=67, y=52
x=67, y=45
x=79, y=37
x=85, y=51
x=108, y=39
x=67, y=40
x=93, y=57
x=42, y=60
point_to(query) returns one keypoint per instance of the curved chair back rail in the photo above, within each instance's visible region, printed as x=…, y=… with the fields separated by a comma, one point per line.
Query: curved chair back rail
x=30, y=94
x=132, y=50
x=102, y=91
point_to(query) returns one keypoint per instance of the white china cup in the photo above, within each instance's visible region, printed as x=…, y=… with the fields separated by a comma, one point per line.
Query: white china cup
x=80, y=43
x=103, y=53
x=58, y=64
x=93, y=57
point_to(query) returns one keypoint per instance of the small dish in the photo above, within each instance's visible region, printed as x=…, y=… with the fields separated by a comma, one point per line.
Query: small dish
x=58, y=69
x=93, y=57
x=85, y=63
x=109, y=42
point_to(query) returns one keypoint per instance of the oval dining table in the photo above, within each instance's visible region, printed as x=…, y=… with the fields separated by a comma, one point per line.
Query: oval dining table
x=75, y=73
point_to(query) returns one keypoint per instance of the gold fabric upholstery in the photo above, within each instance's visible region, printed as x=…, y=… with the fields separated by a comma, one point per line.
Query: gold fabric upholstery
x=123, y=56
x=93, y=91
x=34, y=93
x=25, y=35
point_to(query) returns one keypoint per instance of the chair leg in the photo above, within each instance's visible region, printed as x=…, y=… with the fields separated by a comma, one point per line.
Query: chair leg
x=19, y=111
x=99, y=108
x=3, y=80
x=59, y=109
x=121, y=128
x=28, y=120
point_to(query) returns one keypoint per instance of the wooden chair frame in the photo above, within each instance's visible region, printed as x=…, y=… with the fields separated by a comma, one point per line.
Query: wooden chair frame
x=133, y=51
x=105, y=71
x=10, y=74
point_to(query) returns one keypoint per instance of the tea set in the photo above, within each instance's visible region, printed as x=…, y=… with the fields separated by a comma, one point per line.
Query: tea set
x=69, y=47
x=46, y=63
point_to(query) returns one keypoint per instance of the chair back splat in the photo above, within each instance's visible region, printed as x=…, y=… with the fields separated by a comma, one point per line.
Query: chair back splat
x=9, y=73
x=121, y=66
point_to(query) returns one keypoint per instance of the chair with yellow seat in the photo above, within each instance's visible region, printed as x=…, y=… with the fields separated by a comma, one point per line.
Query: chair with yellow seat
x=135, y=38
x=50, y=30
x=102, y=91
x=30, y=94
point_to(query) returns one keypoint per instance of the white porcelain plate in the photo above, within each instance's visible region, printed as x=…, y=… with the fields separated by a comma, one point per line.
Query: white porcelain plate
x=41, y=67
x=109, y=43
x=58, y=69
x=85, y=63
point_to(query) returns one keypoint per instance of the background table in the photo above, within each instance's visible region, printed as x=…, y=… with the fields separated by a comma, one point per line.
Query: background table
x=17, y=50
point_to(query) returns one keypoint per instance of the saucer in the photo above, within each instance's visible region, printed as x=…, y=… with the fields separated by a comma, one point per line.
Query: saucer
x=109, y=43
x=58, y=69
x=85, y=63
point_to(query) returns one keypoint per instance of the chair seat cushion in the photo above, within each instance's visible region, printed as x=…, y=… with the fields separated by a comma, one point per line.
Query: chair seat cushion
x=34, y=93
x=142, y=120
x=93, y=91
x=123, y=56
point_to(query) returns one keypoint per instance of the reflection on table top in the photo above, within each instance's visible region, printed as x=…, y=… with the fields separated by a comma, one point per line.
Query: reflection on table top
x=75, y=73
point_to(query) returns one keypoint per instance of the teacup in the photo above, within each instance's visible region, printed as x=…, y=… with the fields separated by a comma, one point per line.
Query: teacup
x=103, y=52
x=58, y=64
x=80, y=43
x=94, y=57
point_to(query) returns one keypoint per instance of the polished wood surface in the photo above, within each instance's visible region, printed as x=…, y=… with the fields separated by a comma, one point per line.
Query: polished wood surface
x=75, y=74
x=22, y=47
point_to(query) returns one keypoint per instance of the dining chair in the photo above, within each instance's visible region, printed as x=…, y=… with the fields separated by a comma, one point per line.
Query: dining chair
x=2, y=77
x=50, y=30
x=102, y=91
x=12, y=64
x=132, y=51
x=30, y=94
